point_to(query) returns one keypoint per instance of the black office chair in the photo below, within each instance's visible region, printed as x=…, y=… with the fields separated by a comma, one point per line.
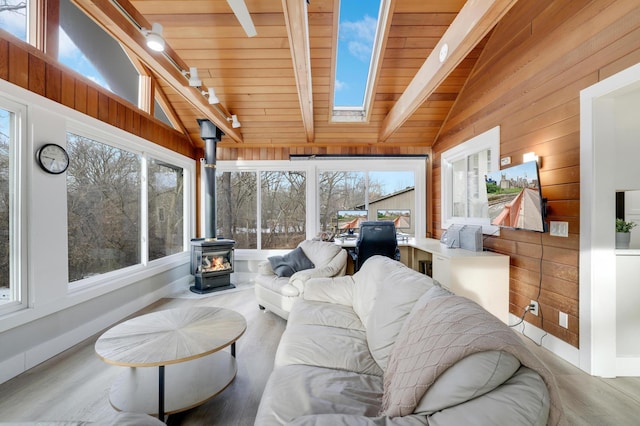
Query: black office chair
x=375, y=238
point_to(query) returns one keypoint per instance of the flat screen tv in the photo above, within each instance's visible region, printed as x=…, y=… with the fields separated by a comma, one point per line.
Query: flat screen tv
x=400, y=217
x=515, y=198
x=349, y=220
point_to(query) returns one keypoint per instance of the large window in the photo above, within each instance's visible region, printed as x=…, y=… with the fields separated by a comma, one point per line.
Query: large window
x=364, y=190
x=275, y=205
x=103, y=197
x=464, y=169
x=12, y=289
x=105, y=208
x=282, y=212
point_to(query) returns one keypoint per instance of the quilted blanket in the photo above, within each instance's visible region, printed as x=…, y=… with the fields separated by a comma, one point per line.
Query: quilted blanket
x=444, y=331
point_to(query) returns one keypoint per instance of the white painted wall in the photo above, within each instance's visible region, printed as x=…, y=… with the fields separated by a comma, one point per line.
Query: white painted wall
x=58, y=315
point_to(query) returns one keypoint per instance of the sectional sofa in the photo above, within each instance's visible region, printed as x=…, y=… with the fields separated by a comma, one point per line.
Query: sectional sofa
x=387, y=346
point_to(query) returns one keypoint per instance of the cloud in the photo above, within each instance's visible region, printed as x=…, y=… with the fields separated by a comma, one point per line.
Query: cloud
x=359, y=36
x=340, y=85
x=66, y=47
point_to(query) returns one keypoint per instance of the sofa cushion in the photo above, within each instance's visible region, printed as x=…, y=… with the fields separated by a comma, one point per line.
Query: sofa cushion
x=395, y=296
x=366, y=285
x=292, y=262
x=297, y=390
x=310, y=312
x=521, y=401
x=469, y=378
x=328, y=347
x=320, y=252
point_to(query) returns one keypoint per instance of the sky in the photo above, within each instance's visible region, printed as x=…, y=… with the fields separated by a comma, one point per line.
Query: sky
x=15, y=22
x=358, y=24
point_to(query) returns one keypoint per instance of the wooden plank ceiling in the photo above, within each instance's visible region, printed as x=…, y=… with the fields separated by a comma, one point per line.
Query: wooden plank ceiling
x=258, y=78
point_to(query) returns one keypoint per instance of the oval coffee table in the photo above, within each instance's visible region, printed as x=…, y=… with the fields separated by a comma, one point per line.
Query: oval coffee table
x=185, y=342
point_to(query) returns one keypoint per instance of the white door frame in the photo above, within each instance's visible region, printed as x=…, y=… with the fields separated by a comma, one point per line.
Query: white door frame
x=597, y=218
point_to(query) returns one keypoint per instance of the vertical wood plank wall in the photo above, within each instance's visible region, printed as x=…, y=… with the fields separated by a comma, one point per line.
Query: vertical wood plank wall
x=528, y=81
x=29, y=68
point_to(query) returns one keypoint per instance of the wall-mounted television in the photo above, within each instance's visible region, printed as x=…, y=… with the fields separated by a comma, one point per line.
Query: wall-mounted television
x=349, y=220
x=400, y=217
x=515, y=197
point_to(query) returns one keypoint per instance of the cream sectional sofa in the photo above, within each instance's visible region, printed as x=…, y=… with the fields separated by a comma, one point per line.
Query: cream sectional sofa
x=388, y=347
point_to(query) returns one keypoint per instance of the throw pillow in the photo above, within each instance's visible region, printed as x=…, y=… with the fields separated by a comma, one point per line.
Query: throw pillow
x=290, y=263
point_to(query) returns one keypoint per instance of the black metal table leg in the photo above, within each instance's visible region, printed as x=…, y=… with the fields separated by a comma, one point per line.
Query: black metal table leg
x=161, y=392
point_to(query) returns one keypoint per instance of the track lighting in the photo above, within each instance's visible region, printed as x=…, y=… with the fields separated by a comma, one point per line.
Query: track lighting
x=154, y=37
x=194, y=81
x=213, y=99
x=234, y=121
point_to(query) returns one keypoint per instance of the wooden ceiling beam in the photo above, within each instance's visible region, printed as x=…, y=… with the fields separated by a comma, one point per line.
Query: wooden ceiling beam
x=475, y=20
x=112, y=19
x=296, y=19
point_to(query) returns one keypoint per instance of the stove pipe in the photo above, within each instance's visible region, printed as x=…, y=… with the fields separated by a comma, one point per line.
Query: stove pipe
x=211, y=135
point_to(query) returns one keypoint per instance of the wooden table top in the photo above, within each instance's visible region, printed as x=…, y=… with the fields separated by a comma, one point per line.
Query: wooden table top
x=170, y=336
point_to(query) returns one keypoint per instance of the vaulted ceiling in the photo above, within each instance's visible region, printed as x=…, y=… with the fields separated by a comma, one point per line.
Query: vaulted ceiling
x=279, y=82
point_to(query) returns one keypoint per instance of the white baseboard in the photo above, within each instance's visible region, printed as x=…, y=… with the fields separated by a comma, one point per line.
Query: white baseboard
x=628, y=366
x=556, y=346
x=22, y=362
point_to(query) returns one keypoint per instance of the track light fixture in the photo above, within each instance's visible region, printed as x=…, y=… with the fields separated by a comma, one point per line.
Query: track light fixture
x=234, y=121
x=213, y=99
x=194, y=81
x=154, y=37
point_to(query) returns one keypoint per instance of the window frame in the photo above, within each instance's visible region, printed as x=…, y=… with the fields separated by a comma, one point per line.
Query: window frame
x=146, y=150
x=313, y=166
x=489, y=140
x=18, y=282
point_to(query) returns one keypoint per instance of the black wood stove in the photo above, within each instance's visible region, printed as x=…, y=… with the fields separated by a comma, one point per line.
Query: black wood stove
x=211, y=257
x=211, y=264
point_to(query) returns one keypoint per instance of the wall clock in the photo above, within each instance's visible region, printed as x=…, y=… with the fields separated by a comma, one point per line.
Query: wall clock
x=53, y=158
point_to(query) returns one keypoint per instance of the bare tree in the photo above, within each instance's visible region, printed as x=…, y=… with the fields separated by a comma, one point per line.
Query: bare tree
x=8, y=6
x=103, y=193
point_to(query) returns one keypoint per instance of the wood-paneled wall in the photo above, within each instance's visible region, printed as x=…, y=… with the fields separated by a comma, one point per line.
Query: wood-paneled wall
x=279, y=153
x=27, y=67
x=528, y=81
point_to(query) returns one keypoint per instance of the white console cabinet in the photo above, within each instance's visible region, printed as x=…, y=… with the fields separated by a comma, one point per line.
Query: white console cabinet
x=480, y=276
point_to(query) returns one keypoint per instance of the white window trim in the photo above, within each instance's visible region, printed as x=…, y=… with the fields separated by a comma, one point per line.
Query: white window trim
x=103, y=133
x=487, y=140
x=18, y=282
x=313, y=167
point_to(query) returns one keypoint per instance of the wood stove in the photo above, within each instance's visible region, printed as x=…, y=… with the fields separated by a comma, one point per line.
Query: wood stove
x=211, y=264
x=211, y=257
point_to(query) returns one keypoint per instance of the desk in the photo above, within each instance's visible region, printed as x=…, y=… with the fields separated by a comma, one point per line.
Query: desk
x=481, y=276
x=186, y=341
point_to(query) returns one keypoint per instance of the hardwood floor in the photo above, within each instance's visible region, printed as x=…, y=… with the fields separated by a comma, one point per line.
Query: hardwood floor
x=75, y=384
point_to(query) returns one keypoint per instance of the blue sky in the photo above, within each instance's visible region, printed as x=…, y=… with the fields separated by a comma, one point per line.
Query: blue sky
x=15, y=22
x=358, y=24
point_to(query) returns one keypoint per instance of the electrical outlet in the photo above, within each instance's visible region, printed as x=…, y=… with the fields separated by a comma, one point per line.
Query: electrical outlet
x=533, y=307
x=563, y=320
x=559, y=229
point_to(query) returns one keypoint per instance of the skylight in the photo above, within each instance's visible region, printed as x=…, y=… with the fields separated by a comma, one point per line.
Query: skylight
x=358, y=50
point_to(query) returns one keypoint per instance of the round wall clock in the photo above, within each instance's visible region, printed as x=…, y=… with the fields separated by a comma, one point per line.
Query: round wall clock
x=53, y=158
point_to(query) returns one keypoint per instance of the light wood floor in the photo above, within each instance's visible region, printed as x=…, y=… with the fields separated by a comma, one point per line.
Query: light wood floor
x=75, y=384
